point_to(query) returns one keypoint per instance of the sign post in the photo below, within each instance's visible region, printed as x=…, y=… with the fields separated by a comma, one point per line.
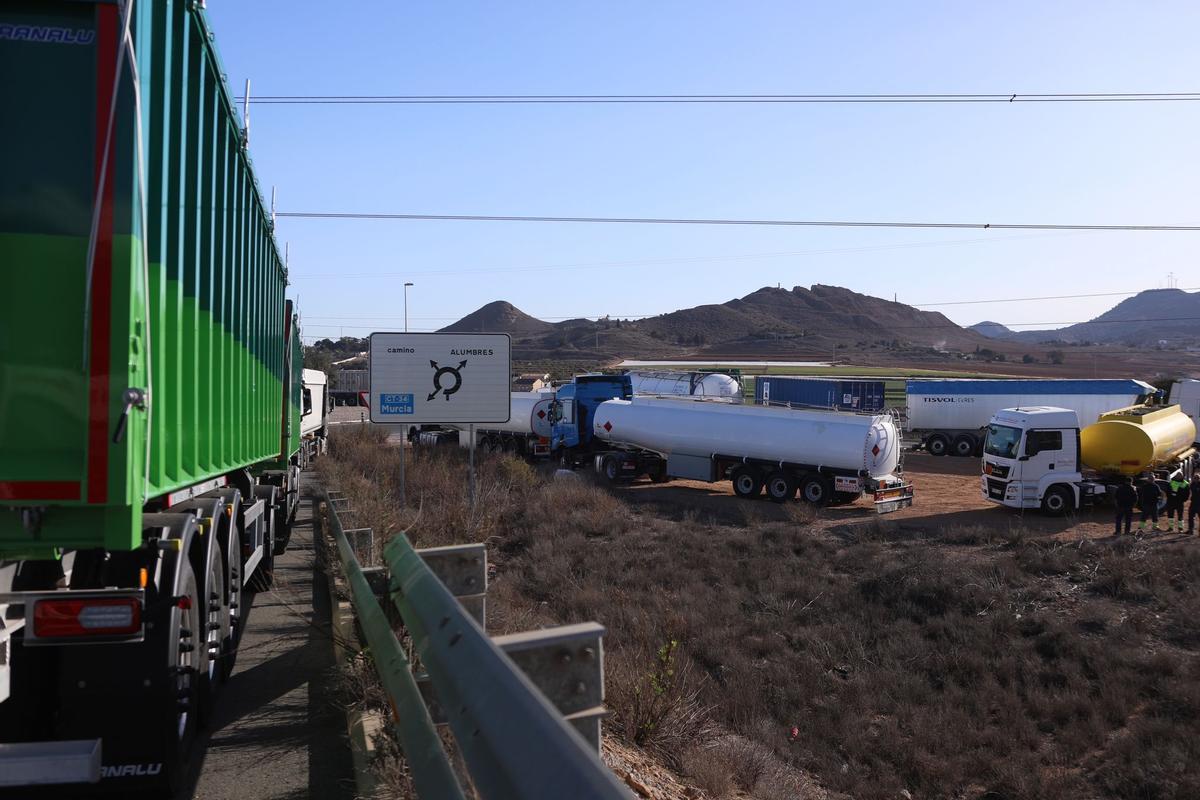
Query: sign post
x=452, y=379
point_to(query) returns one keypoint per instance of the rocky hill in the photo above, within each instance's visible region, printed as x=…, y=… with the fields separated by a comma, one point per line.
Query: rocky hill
x=499, y=317
x=817, y=322
x=1144, y=320
x=992, y=330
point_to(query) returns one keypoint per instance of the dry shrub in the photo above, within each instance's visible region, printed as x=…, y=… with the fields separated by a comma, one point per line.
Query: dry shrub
x=654, y=697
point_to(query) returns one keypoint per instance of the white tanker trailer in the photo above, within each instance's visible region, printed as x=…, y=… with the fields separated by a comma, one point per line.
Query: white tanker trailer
x=527, y=431
x=830, y=457
x=686, y=384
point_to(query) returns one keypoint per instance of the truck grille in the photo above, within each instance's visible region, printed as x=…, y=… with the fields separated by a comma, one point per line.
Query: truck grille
x=996, y=489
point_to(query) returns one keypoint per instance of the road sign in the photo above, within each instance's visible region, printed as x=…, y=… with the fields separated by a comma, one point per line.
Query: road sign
x=420, y=378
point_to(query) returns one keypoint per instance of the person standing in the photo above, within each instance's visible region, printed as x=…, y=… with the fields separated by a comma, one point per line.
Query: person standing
x=1194, y=505
x=1148, y=496
x=1125, y=498
x=1177, y=494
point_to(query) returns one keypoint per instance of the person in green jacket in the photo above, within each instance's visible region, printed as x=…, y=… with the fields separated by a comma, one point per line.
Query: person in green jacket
x=1178, y=491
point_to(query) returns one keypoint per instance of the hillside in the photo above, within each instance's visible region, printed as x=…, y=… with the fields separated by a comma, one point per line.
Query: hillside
x=772, y=322
x=1144, y=320
x=499, y=317
x=992, y=330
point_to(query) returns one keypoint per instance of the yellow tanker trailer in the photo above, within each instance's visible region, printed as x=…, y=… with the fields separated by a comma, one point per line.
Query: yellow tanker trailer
x=1130, y=441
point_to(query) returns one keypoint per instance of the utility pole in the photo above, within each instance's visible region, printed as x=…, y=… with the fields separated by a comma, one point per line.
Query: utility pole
x=403, y=427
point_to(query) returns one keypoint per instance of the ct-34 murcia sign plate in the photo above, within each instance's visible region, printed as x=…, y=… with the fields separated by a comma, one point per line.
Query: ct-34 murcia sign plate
x=422, y=378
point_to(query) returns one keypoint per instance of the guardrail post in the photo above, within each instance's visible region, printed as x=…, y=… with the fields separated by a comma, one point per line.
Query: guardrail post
x=463, y=569
x=567, y=665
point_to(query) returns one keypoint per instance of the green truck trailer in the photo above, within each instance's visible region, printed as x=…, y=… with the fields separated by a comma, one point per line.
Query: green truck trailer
x=150, y=389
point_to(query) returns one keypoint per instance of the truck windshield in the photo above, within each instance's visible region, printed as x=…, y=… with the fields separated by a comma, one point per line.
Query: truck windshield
x=1002, y=441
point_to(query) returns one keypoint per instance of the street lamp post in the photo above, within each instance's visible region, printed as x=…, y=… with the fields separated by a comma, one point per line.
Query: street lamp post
x=404, y=428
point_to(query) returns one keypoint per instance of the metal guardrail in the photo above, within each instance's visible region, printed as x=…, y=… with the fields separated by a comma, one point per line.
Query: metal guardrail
x=515, y=740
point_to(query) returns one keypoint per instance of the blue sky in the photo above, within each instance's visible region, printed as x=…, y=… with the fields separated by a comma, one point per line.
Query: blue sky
x=1102, y=163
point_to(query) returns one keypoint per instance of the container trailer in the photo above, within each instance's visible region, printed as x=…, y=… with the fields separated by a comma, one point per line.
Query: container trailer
x=1186, y=394
x=349, y=384
x=847, y=395
x=829, y=457
x=150, y=381
x=1041, y=457
x=951, y=416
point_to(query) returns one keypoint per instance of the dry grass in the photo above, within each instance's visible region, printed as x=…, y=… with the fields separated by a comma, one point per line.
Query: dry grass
x=963, y=663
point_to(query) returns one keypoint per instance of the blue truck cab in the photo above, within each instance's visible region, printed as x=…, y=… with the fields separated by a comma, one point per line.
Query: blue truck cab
x=575, y=404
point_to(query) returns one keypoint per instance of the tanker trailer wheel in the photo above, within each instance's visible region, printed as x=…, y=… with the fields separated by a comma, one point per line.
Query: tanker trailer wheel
x=1058, y=500
x=964, y=445
x=511, y=446
x=610, y=468
x=747, y=483
x=937, y=445
x=781, y=486
x=816, y=490
x=658, y=474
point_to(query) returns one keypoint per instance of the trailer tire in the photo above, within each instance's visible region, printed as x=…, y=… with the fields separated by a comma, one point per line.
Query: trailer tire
x=511, y=446
x=937, y=445
x=658, y=474
x=181, y=702
x=781, y=486
x=1058, y=501
x=815, y=489
x=964, y=445
x=212, y=636
x=747, y=482
x=610, y=468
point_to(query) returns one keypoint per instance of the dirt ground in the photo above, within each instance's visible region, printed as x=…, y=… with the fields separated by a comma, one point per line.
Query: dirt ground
x=947, y=495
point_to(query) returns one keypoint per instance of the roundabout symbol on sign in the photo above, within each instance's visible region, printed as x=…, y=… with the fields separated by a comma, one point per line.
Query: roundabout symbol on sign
x=441, y=372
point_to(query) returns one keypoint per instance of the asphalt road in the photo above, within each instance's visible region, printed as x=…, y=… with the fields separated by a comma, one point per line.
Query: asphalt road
x=279, y=733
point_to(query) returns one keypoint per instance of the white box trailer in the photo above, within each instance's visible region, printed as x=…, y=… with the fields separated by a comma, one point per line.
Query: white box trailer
x=950, y=416
x=1186, y=395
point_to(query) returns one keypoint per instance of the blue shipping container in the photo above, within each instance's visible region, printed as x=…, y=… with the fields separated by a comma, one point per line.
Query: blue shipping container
x=820, y=392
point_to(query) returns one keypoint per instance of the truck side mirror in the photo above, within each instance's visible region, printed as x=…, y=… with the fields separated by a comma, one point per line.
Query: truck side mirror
x=1023, y=458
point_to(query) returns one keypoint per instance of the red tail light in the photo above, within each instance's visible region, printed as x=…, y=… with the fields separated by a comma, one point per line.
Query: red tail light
x=97, y=616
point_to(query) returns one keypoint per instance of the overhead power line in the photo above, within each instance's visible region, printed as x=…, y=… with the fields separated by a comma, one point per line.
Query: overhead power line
x=744, y=222
x=922, y=326
x=574, y=99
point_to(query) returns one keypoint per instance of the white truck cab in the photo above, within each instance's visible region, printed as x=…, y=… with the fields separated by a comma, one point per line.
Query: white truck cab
x=315, y=404
x=1031, y=459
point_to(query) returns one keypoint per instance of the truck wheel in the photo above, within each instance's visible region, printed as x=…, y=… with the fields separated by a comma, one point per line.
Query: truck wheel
x=658, y=474
x=1057, y=501
x=510, y=446
x=964, y=445
x=781, y=486
x=183, y=662
x=816, y=490
x=610, y=468
x=235, y=610
x=214, y=632
x=937, y=445
x=747, y=483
